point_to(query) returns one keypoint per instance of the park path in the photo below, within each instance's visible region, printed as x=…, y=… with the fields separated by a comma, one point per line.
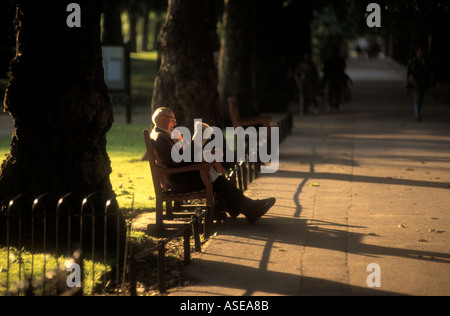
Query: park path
x=365, y=185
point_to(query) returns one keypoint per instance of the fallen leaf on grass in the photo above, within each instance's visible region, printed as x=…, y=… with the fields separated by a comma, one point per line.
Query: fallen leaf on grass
x=314, y=185
x=401, y=226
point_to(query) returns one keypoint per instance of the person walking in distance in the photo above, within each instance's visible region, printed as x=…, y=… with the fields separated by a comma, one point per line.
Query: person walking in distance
x=418, y=79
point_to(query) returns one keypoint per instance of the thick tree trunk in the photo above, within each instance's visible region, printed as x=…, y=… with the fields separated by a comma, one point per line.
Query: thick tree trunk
x=282, y=35
x=270, y=66
x=59, y=103
x=112, y=24
x=236, y=56
x=187, y=79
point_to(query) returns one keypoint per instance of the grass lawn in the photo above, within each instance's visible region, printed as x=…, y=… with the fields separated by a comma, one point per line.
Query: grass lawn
x=143, y=72
x=130, y=177
x=38, y=264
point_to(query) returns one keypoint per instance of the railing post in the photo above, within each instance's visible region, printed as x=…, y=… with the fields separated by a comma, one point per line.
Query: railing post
x=132, y=273
x=78, y=256
x=198, y=247
x=207, y=222
x=39, y=203
x=162, y=267
x=187, y=245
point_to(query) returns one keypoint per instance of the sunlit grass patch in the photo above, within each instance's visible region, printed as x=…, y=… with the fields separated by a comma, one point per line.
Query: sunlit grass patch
x=23, y=265
x=131, y=181
x=143, y=72
x=131, y=176
x=4, y=147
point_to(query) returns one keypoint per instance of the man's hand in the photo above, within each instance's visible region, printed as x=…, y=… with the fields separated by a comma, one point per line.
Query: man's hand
x=219, y=168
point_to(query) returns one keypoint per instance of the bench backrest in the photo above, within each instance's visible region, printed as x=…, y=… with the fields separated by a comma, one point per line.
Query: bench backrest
x=154, y=168
x=234, y=111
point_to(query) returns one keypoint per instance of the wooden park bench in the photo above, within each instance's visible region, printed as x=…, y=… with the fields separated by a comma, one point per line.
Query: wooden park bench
x=170, y=196
x=237, y=120
x=282, y=120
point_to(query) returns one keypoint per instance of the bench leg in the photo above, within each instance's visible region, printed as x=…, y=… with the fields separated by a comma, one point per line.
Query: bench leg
x=159, y=226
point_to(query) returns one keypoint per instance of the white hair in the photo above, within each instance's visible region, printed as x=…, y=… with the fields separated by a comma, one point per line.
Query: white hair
x=156, y=117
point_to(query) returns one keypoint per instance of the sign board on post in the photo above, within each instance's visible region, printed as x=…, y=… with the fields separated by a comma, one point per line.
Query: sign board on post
x=114, y=67
x=117, y=73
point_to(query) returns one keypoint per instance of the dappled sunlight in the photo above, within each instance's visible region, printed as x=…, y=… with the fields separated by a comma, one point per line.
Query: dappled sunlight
x=132, y=182
x=131, y=178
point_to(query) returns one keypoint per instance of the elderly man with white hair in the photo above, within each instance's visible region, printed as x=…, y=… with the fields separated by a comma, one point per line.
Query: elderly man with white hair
x=236, y=202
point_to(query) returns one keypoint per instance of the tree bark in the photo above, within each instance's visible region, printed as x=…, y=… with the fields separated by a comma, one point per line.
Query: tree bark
x=269, y=62
x=187, y=79
x=132, y=19
x=112, y=24
x=236, y=56
x=59, y=102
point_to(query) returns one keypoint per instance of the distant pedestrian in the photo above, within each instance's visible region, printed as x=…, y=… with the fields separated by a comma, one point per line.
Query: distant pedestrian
x=335, y=78
x=307, y=77
x=346, y=92
x=418, y=78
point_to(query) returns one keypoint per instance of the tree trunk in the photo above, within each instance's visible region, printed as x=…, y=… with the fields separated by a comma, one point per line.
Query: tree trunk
x=132, y=19
x=112, y=24
x=236, y=56
x=187, y=79
x=59, y=102
x=269, y=65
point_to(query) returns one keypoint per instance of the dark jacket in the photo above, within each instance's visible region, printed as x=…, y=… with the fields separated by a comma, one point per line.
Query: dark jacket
x=419, y=70
x=180, y=182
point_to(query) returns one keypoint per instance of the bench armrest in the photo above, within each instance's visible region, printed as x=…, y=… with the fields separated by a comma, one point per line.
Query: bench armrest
x=193, y=167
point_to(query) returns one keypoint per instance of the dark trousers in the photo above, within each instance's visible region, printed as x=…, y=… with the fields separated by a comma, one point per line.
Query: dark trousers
x=419, y=95
x=230, y=196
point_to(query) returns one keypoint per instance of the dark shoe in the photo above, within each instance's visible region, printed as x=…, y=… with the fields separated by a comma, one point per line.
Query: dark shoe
x=233, y=215
x=220, y=216
x=258, y=208
x=222, y=207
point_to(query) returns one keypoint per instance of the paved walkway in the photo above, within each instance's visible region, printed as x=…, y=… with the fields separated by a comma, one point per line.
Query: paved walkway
x=366, y=185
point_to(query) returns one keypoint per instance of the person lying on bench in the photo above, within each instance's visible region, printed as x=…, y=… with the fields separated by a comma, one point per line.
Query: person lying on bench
x=235, y=201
